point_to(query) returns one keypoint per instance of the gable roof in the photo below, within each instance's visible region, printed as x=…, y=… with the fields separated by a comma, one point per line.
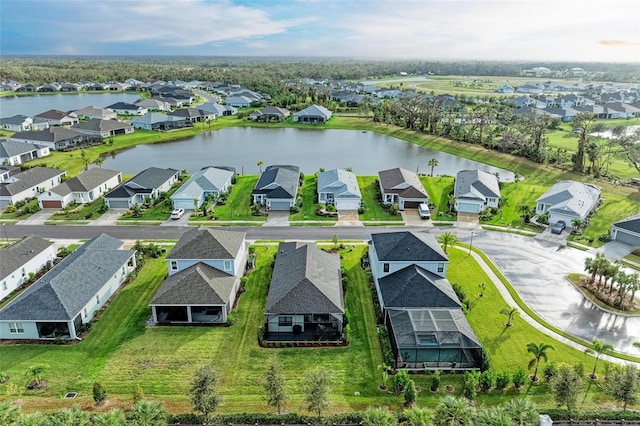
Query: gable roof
x=9, y=148
x=408, y=246
x=199, y=284
x=208, y=179
x=341, y=183
x=28, y=179
x=144, y=182
x=305, y=279
x=476, y=185
x=21, y=252
x=571, y=198
x=314, y=111
x=85, y=181
x=392, y=178
x=63, y=291
x=50, y=134
x=15, y=120
x=156, y=117
x=278, y=181
x=415, y=287
x=208, y=243
x=631, y=224
x=52, y=114
x=98, y=125
x=123, y=106
x=273, y=110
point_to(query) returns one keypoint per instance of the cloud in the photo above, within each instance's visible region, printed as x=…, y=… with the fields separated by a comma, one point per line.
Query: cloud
x=618, y=43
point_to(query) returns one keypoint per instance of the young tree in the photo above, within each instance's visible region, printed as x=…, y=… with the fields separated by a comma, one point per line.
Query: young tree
x=148, y=413
x=316, y=391
x=566, y=386
x=384, y=368
x=410, y=394
x=204, y=396
x=538, y=352
x=400, y=382
x=432, y=163
x=447, y=239
x=35, y=373
x=260, y=164
x=380, y=416
x=99, y=161
x=623, y=385
x=418, y=416
x=510, y=313
x=99, y=393
x=274, y=386
x=113, y=417
x=452, y=411
x=599, y=348
x=138, y=393
x=522, y=411
x=470, y=385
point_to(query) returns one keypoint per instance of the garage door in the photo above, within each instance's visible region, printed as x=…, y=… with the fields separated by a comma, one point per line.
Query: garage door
x=51, y=204
x=348, y=204
x=627, y=238
x=468, y=207
x=280, y=205
x=412, y=204
x=118, y=204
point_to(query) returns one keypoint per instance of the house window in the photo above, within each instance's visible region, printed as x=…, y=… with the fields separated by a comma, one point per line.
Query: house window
x=85, y=312
x=227, y=265
x=4, y=286
x=285, y=321
x=174, y=265
x=385, y=267
x=97, y=299
x=23, y=272
x=16, y=328
x=440, y=267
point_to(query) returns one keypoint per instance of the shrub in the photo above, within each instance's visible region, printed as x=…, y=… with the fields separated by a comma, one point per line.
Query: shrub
x=519, y=376
x=394, y=210
x=385, y=344
x=10, y=209
x=486, y=361
x=470, y=385
x=400, y=382
x=435, y=381
x=550, y=370
x=295, y=208
x=487, y=380
x=605, y=238
x=362, y=210
x=503, y=379
x=99, y=393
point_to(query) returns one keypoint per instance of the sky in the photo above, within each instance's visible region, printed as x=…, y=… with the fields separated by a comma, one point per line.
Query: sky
x=529, y=30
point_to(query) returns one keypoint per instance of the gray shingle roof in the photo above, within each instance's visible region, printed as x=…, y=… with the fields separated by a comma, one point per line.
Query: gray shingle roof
x=52, y=114
x=208, y=179
x=207, y=243
x=198, y=284
x=341, y=183
x=13, y=148
x=631, y=224
x=314, y=111
x=278, y=181
x=151, y=178
x=63, y=291
x=16, y=255
x=305, y=280
x=415, y=287
x=51, y=134
x=389, y=179
x=571, y=198
x=98, y=125
x=15, y=120
x=90, y=179
x=29, y=178
x=476, y=185
x=408, y=246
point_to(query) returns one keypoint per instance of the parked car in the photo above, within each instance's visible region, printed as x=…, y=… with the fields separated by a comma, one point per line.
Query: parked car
x=423, y=211
x=177, y=214
x=558, y=227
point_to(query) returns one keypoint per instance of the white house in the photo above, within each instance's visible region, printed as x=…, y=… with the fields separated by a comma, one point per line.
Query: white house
x=568, y=200
x=14, y=153
x=475, y=190
x=148, y=183
x=28, y=184
x=339, y=187
x=207, y=182
x=88, y=186
x=19, y=260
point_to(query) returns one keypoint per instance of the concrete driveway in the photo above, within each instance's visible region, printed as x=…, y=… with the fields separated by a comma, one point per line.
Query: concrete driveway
x=348, y=218
x=183, y=221
x=277, y=218
x=538, y=270
x=412, y=218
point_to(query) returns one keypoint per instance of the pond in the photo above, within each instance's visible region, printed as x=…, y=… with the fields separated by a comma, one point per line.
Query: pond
x=35, y=104
x=243, y=147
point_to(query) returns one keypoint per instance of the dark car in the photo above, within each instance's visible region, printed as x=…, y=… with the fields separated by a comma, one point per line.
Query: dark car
x=558, y=227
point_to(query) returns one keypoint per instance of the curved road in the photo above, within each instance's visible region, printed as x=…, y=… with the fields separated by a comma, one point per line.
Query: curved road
x=537, y=269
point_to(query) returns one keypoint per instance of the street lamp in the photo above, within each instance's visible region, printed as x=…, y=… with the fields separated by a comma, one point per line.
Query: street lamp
x=6, y=237
x=471, y=243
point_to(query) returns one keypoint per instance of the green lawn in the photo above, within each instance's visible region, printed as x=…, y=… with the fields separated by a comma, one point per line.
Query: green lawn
x=516, y=195
x=375, y=211
x=439, y=188
x=158, y=212
x=238, y=205
x=309, y=192
x=18, y=213
x=80, y=212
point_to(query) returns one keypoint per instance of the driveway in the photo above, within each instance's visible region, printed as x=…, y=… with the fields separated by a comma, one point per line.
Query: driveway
x=348, y=218
x=538, y=270
x=277, y=218
x=613, y=250
x=39, y=217
x=183, y=221
x=412, y=218
x=110, y=217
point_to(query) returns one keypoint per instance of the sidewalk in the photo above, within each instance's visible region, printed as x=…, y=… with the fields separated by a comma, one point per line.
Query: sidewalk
x=38, y=218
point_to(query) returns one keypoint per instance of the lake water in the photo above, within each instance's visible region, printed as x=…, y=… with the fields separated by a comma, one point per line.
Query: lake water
x=242, y=148
x=35, y=104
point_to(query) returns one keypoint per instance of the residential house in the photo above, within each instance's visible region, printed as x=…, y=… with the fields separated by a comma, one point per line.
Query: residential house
x=154, y=105
x=315, y=114
x=402, y=187
x=205, y=183
x=55, y=138
x=21, y=259
x=568, y=200
x=218, y=110
x=93, y=112
x=68, y=296
x=340, y=188
x=69, y=87
x=271, y=113
x=7, y=171
x=14, y=153
x=506, y=88
x=424, y=317
x=158, y=121
x=20, y=123
x=88, y=186
x=529, y=88
x=475, y=190
x=49, y=88
x=527, y=101
x=205, y=267
x=125, y=108
x=103, y=128
x=28, y=184
x=627, y=231
x=238, y=101
x=149, y=183
x=193, y=115
x=55, y=117
x=305, y=300
x=277, y=187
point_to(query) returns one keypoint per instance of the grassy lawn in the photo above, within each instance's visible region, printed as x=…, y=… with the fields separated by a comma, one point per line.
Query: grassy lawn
x=158, y=212
x=238, y=206
x=18, y=214
x=375, y=211
x=516, y=195
x=80, y=212
x=309, y=192
x=439, y=188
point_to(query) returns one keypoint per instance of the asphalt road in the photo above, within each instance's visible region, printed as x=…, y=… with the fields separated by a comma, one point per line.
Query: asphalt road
x=537, y=269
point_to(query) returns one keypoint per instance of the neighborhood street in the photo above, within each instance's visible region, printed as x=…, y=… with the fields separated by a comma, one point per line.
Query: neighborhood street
x=536, y=268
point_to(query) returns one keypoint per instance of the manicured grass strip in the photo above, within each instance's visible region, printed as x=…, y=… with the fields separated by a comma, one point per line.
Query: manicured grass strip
x=308, y=211
x=83, y=212
x=238, y=205
x=439, y=188
x=374, y=210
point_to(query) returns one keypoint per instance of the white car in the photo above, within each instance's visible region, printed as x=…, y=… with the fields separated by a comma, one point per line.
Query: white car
x=423, y=211
x=177, y=214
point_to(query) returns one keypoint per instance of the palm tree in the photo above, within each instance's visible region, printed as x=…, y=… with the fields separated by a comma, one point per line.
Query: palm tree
x=516, y=178
x=538, y=351
x=418, y=416
x=598, y=348
x=525, y=213
x=522, y=411
x=453, y=411
x=509, y=312
x=493, y=416
x=35, y=373
x=380, y=416
x=260, y=164
x=73, y=416
x=33, y=419
x=9, y=413
x=452, y=202
x=577, y=224
x=99, y=161
x=148, y=413
x=432, y=163
x=447, y=239
x=113, y=417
